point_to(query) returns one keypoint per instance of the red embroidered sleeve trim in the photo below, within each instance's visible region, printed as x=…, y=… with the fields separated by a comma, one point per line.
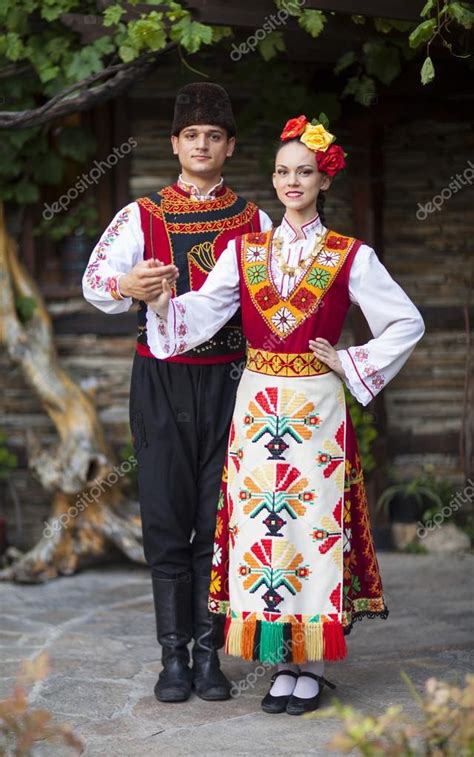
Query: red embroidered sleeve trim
x=360, y=377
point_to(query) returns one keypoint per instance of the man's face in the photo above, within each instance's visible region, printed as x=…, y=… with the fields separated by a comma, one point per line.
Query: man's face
x=202, y=149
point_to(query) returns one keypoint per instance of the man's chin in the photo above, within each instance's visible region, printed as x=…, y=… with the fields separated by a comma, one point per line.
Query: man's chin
x=202, y=167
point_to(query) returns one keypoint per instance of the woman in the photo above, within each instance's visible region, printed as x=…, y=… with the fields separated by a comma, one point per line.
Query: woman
x=294, y=564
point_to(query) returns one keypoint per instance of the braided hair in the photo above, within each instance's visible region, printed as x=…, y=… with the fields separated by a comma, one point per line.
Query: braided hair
x=320, y=203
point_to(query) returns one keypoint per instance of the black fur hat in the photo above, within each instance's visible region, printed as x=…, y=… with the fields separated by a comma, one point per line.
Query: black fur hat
x=203, y=103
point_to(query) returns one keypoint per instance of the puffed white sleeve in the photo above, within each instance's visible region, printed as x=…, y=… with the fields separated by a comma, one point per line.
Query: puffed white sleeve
x=195, y=317
x=120, y=247
x=393, y=319
x=265, y=221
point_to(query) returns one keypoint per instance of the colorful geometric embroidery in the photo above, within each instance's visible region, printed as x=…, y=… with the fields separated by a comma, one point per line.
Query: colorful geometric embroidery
x=285, y=363
x=110, y=234
x=274, y=565
x=282, y=315
x=276, y=489
x=280, y=413
x=368, y=371
x=331, y=458
x=328, y=535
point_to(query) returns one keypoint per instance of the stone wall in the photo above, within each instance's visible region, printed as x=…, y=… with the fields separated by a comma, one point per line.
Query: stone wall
x=429, y=258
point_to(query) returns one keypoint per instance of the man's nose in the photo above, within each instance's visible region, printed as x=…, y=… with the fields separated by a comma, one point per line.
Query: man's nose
x=202, y=142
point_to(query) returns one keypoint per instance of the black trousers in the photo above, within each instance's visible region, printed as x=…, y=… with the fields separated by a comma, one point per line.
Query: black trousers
x=180, y=417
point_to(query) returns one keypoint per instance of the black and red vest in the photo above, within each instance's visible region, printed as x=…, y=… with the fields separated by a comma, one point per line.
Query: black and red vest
x=192, y=234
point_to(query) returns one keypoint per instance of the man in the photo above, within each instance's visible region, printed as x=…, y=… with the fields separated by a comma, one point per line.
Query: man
x=180, y=408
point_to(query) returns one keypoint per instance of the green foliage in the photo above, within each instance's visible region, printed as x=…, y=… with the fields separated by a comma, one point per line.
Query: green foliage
x=427, y=71
x=8, y=461
x=44, y=56
x=366, y=433
x=81, y=218
x=271, y=45
x=362, y=88
x=444, y=726
x=421, y=489
x=422, y=33
x=382, y=61
x=25, y=308
x=440, y=17
x=312, y=22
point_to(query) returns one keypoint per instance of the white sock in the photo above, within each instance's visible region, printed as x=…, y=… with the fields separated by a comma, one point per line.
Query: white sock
x=307, y=687
x=284, y=685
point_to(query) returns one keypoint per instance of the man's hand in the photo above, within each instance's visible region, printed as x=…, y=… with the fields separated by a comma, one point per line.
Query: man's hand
x=145, y=280
x=161, y=304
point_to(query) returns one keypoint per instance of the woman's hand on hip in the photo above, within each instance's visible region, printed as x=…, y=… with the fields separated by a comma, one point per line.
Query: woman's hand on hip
x=324, y=351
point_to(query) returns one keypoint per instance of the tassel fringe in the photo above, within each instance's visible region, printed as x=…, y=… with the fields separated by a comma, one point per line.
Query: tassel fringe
x=284, y=642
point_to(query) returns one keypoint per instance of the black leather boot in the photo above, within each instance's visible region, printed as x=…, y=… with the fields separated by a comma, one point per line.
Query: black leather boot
x=173, y=610
x=209, y=681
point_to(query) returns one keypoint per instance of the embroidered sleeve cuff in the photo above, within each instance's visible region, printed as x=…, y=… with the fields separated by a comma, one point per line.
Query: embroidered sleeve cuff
x=167, y=337
x=353, y=378
x=160, y=333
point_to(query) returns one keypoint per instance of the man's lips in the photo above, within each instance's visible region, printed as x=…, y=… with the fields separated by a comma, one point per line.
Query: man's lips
x=202, y=157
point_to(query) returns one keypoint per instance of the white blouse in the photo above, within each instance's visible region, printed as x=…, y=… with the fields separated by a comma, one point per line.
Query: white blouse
x=393, y=319
x=121, y=247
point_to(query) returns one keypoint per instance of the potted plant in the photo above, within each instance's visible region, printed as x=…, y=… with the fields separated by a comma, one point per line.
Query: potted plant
x=406, y=501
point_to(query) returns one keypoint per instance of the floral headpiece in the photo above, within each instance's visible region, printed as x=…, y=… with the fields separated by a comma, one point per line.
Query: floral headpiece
x=330, y=158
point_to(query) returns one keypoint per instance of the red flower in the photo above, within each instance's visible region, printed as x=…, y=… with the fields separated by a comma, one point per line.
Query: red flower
x=293, y=128
x=320, y=534
x=257, y=237
x=266, y=298
x=336, y=242
x=303, y=572
x=331, y=160
x=303, y=299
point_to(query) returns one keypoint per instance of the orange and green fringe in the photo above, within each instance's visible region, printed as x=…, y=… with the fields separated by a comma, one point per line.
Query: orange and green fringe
x=276, y=642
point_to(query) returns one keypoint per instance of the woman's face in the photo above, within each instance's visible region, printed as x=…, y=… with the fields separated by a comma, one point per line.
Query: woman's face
x=296, y=179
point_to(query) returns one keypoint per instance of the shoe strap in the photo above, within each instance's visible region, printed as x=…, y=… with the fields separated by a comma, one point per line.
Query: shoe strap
x=320, y=679
x=283, y=673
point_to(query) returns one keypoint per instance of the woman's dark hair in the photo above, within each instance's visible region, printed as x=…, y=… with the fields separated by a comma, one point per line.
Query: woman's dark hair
x=321, y=201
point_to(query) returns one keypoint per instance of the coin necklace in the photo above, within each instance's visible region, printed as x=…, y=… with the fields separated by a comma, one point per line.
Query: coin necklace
x=304, y=263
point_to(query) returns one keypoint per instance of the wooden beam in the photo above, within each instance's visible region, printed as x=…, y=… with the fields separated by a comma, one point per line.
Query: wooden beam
x=402, y=10
x=249, y=14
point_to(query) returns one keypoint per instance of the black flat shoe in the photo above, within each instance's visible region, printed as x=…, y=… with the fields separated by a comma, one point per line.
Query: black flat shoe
x=299, y=705
x=275, y=705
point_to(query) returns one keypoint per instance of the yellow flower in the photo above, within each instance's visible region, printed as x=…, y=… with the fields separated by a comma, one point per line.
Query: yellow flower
x=316, y=137
x=215, y=582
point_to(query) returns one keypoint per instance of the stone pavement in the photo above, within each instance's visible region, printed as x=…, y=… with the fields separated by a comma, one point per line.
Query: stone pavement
x=98, y=630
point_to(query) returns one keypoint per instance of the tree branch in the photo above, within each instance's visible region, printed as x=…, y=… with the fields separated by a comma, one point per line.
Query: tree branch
x=123, y=76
